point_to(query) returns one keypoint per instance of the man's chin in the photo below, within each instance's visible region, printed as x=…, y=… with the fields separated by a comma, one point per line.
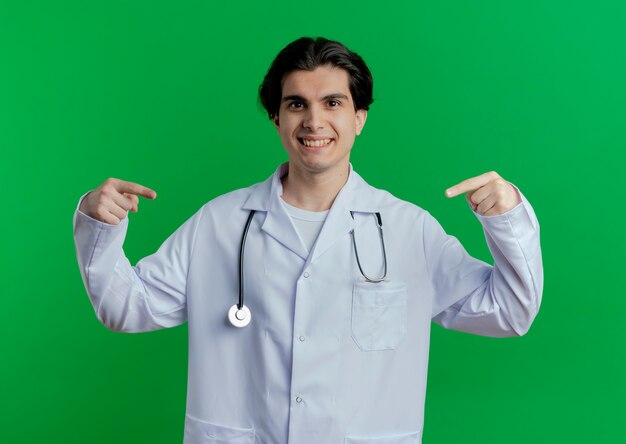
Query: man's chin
x=319, y=166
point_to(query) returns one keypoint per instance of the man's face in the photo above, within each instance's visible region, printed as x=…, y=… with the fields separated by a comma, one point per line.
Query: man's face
x=316, y=121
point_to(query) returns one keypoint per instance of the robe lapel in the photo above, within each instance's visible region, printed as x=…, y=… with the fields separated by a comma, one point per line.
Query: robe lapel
x=355, y=196
x=277, y=224
x=338, y=224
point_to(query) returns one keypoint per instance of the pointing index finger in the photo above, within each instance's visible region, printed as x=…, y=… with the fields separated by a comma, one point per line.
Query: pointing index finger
x=135, y=188
x=470, y=184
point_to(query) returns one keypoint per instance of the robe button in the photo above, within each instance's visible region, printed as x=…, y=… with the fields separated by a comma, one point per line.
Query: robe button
x=306, y=274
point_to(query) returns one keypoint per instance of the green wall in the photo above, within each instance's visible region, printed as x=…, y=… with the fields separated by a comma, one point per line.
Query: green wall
x=164, y=94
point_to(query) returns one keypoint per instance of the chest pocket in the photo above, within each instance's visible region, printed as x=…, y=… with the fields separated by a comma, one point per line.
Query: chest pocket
x=379, y=313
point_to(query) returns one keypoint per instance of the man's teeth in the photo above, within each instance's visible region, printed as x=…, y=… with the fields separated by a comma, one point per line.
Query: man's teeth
x=316, y=142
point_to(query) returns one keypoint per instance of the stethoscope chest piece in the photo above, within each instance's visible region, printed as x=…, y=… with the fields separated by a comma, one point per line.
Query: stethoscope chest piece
x=239, y=317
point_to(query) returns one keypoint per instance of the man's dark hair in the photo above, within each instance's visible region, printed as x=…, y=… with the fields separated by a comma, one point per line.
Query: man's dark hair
x=306, y=54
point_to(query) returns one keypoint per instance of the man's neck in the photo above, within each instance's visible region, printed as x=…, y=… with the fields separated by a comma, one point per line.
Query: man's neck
x=313, y=192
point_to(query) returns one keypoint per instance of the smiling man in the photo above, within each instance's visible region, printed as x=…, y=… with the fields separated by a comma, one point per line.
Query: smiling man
x=306, y=324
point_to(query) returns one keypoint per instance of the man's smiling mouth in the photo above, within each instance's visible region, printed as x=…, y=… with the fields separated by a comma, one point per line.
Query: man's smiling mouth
x=315, y=143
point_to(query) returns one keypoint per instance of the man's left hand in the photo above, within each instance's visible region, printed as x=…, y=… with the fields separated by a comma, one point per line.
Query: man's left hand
x=487, y=194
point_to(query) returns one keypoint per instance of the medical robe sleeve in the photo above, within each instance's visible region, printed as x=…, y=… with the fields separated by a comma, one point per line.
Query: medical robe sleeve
x=474, y=297
x=126, y=298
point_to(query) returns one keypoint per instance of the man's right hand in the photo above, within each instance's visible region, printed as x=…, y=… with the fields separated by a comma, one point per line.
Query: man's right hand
x=110, y=202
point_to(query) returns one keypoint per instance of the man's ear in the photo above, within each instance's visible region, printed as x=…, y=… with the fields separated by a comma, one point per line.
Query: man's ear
x=275, y=120
x=360, y=118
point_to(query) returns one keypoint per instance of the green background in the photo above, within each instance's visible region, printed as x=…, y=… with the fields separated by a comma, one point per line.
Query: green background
x=164, y=94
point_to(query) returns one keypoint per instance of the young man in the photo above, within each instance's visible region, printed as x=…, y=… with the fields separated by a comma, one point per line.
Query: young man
x=321, y=335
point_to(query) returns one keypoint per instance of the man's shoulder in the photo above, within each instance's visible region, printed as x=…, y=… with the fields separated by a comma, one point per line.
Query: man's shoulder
x=386, y=201
x=233, y=200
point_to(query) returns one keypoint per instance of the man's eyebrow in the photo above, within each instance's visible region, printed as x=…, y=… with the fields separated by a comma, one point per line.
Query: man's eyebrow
x=293, y=97
x=335, y=96
x=327, y=97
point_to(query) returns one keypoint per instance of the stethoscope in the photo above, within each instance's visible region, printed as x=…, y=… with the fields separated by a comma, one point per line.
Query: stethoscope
x=239, y=315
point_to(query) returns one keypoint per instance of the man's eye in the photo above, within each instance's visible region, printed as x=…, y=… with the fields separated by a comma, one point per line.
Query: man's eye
x=333, y=103
x=295, y=105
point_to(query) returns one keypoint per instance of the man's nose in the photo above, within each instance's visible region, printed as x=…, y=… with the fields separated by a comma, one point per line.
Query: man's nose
x=313, y=119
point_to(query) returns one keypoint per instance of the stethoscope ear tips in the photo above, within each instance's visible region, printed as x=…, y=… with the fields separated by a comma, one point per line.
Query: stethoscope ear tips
x=239, y=318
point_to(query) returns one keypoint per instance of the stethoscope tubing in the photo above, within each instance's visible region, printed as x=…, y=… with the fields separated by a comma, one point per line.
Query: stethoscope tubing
x=379, y=224
x=241, y=256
